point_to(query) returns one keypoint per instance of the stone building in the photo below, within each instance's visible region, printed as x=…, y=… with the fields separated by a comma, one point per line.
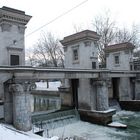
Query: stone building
x=81, y=50
x=14, y=100
x=12, y=28
x=119, y=56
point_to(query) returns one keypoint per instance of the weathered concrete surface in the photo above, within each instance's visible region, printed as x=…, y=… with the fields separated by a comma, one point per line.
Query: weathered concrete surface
x=137, y=89
x=8, y=104
x=124, y=89
x=1, y=111
x=85, y=43
x=124, y=53
x=84, y=94
x=102, y=95
x=12, y=29
x=21, y=106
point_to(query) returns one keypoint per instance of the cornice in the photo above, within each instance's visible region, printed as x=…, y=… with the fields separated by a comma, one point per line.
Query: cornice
x=15, y=48
x=14, y=17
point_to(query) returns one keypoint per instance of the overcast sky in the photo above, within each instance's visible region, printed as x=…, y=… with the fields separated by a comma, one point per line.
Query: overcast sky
x=125, y=12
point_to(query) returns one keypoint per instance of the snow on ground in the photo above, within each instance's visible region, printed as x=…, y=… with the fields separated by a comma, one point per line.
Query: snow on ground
x=9, y=133
x=117, y=124
x=53, y=86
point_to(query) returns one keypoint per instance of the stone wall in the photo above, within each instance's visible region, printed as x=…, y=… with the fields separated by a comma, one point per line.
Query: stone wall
x=84, y=94
x=89, y=52
x=137, y=89
x=8, y=47
x=124, y=89
x=124, y=60
x=1, y=112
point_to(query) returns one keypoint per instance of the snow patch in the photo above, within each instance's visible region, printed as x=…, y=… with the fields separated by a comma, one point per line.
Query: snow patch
x=9, y=133
x=117, y=125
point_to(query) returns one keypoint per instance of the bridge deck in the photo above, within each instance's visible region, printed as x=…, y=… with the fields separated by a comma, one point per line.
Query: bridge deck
x=36, y=73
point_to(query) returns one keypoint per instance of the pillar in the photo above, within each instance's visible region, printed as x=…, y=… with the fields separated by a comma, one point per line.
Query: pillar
x=8, y=104
x=1, y=91
x=21, y=106
x=124, y=89
x=137, y=89
x=101, y=95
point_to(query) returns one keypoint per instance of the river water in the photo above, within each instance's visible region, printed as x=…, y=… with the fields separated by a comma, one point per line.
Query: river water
x=90, y=131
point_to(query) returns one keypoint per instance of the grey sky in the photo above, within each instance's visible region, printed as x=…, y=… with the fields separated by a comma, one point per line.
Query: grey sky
x=126, y=12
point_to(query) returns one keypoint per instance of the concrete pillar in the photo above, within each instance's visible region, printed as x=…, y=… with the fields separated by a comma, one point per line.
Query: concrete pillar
x=124, y=89
x=8, y=105
x=84, y=94
x=21, y=106
x=137, y=89
x=101, y=95
x=1, y=91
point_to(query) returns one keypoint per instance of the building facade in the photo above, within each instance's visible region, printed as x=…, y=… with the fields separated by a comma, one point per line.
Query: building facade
x=81, y=50
x=12, y=28
x=119, y=56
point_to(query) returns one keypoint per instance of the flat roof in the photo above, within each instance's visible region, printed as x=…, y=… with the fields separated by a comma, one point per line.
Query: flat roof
x=119, y=46
x=83, y=35
x=13, y=10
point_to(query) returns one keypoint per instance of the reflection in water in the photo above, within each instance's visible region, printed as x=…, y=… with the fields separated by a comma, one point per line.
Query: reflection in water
x=91, y=131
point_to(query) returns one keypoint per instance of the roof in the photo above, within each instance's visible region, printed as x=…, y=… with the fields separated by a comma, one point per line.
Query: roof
x=12, y=15
x=119, y=47
x=13, y=10
x=83, y=35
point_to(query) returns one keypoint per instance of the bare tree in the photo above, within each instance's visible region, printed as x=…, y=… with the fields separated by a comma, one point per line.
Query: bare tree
x=77, y=28
x=128, y=35
x=47, y=52
x=105, y=27
x=111, y=34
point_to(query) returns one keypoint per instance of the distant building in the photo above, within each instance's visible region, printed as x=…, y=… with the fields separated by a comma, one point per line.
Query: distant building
x=12, y=28
x=119, y=56
x=81, y=50
x=136, y=64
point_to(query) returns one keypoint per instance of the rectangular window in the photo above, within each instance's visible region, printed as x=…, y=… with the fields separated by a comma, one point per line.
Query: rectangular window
x=116, y=58
x=14, y=60
x=75, y=54
x=93, y=65
x=87, y=43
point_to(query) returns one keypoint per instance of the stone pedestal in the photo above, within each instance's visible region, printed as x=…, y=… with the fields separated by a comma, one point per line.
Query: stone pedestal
x=21, y=106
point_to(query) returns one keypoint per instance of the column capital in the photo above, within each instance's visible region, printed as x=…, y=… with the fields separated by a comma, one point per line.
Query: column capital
x=21, y=87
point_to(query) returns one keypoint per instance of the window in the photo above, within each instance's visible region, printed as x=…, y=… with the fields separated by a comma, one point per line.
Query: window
x=14, y=60
x=93, y=65
x=87, y=43
x=75, y=54
x=116, y=58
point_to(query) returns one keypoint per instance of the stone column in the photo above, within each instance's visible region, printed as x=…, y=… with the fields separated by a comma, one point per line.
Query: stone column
x=137, y=89
x=124, y=89
x=21, y=106
x=101, y=95
x=1, y=91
